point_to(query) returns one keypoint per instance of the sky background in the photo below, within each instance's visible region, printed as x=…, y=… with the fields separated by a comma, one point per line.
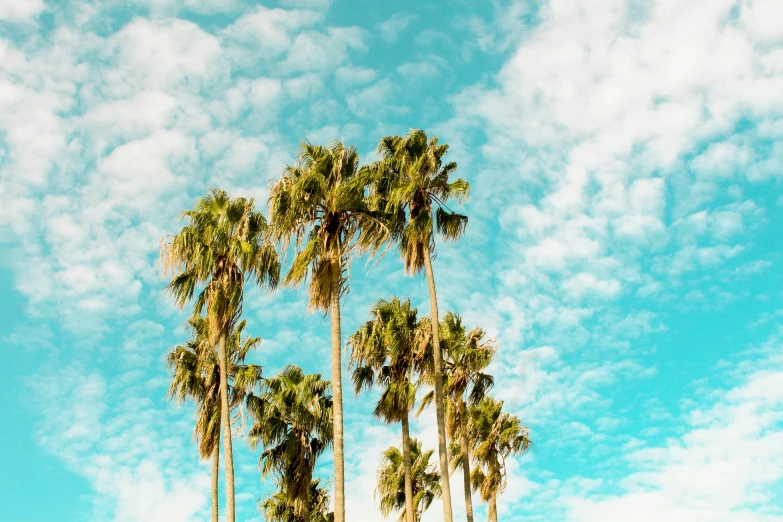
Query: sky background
x=624, y=245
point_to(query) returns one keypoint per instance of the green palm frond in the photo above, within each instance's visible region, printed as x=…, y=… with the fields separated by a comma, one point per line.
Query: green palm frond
x=277, y=508
x=466, y=355
x=410, y=184
x=223, y=242
x=494, y=435
x=292, y=419
x=427, y=400
x=196, y=375
x=390, y=492
x=320, y=207
x=385, y=351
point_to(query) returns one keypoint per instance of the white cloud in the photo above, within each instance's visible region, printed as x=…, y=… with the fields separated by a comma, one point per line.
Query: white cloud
x=764, y=19
x=131, y=117
x=722, y=159
x=351, y=75
x=137, y=173
x=391, y=28
x=259, y=93
x=721, y=223
x=587, y=284
x=304, y=86
x=422, y=68
x=370, y=99
x=316, y=51
x=269, y=31
x=126, y=452
x=162, y=53
x=600, y=128
x=690, y=258
x=15, y=10
x=145, y=494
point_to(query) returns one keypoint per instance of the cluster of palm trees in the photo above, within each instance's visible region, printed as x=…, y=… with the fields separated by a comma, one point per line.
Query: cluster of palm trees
x=328, y=209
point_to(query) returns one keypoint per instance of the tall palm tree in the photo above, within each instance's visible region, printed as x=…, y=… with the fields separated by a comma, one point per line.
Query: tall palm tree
x=277, y=509
x=494, y=436
x=319, y=204
x=196, y=376
x=292, y=418
x=388, y=349
x=411, y=186
x=222, y=244
x=391, y=488
x=466, y=356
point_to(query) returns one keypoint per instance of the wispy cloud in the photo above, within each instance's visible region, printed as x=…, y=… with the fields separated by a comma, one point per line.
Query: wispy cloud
x=390, y=29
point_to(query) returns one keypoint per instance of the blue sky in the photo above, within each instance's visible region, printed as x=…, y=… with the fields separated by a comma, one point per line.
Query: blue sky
x=624, y=244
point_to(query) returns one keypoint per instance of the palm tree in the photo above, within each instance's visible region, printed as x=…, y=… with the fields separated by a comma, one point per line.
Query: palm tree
x=196, y=375
x=276, y=507
x=494, y=436
x=223, y=243
x=466, y=356
x=292, y=418
x=388, y=349
x=391, y=488
x=319, y=205
x=411, y=186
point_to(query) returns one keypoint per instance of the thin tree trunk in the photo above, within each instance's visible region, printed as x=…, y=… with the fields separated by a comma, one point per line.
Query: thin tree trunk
x=492, y=512
x=337, y=401
x=438, y=370
x=225, y=423
x=465, y=462
x=407, y=465
x=215, y=479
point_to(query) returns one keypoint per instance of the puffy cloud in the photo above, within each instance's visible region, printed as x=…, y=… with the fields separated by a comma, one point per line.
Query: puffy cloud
x=15, y=10
x=161, y=54
x=317, y=51
x=270, y=31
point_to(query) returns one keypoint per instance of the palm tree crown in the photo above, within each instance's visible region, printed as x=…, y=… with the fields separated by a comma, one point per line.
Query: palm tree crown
x=466, y=356
x=276, y=507
x=411, y=185
x=293, y=421
x=388, y=349
x=223, y=243
x=319, y=204
x=391, y=490
x=494, y=436
x=196, y=375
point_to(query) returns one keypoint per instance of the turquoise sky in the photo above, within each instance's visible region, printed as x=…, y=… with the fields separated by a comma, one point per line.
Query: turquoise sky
x=624, y=244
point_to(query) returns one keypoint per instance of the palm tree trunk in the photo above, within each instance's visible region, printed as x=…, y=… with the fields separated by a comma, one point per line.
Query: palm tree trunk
x=337, y=401
x=465, y=462
x=407, y=467
x=215, y=473
x=438, y=370
x=492, y=512
x=225, y=423
x=306, y=515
